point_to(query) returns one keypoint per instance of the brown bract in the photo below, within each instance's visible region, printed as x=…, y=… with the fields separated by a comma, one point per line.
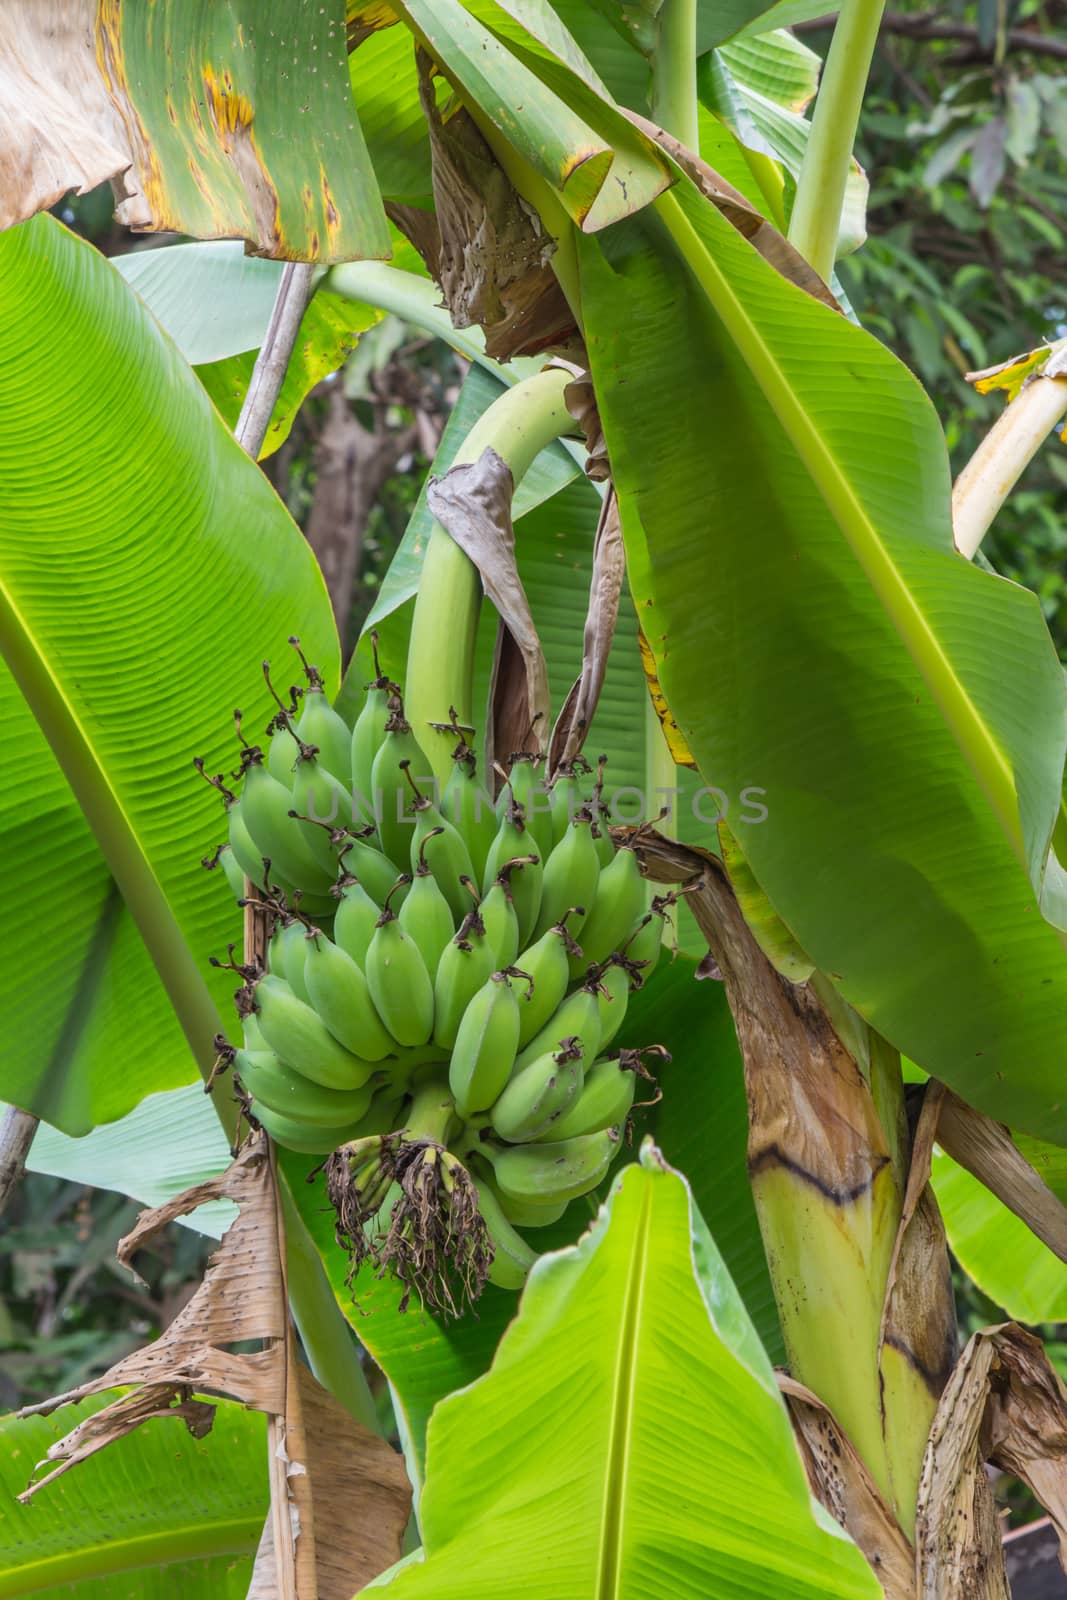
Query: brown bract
x=473, y=505
x=327, y=1470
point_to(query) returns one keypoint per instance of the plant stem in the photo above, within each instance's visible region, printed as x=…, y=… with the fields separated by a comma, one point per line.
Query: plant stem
x=440, y=671
x=1007, y=449
x=322, y=1325
x=17, y=1129
x=816, y=218
x=268, y=374
x=674, y=72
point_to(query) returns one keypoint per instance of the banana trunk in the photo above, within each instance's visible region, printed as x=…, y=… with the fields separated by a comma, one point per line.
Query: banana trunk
x=853, y=1238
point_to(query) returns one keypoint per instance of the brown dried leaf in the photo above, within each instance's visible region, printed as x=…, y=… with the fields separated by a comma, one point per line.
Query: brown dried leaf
x=59, y=128
x=841, y=1482
x=322, y=1462
x=987, y=1151
x=1004, y=1403
x=605, y=587
x=473, y=504
x=359, y=1499
x=772, y=246
x=493, y=260
x=580, y=399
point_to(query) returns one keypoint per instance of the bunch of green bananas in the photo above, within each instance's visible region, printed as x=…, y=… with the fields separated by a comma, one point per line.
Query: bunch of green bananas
x=445, y=974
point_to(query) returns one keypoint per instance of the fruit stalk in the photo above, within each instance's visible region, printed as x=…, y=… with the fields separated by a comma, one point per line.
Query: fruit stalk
x=440, y=666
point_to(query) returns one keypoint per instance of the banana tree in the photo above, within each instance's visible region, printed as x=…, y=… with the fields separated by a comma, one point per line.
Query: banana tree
x=688, y=515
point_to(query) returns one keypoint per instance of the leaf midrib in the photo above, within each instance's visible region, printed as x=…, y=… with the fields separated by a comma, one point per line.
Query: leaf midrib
x=973, y=736
x=114, y=832
x=612, y=1525
x=192, y=1541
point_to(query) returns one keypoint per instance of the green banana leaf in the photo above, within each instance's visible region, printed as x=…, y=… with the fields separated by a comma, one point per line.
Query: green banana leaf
x=146, y=568
x=156, y=1514
x=620, y=1393
x=237, y=119
x=789, y=547
x=995, y=1248
x=216, y=311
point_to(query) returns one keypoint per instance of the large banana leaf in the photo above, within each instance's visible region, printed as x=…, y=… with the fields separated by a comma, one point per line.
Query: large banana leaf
x=154, y=1515
x=215, y=120
x=629, y=1439
x=789, y=547
x=146, y=568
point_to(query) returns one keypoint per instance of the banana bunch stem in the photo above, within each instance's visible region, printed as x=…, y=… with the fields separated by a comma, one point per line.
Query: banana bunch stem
x=440, y=667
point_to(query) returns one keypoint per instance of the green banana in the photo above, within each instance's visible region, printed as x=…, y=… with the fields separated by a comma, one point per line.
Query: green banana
x=605, y=845
x=561, y=1169
x=486, y=1041
x=538, y=1096
x=512, y=1256
x=512, y=841
x=605, y=1102
x=288, y=952
x=548, y=963
x=319, y=724
x=323, y=807
x=271, y=1083
x=449, y=859
x=565, y=798
x=612, y=1001
x=234, y=876
x=265, y=808
x=304, y=1137
x=467, y=805
x=341, y=996
x=296, y=1033
x=578, y=1017
x=252, y=1033
x=426, y=915
x=571, y=876
x=466, y=964
x=499, y=915
x=622, y=898
x=528, y=1214
x=355, y=919
x=377, y=872
x=529, y=792
x=645, y=944
x=282, y=752
x=399, y=983
x=391, y=791
x=368, y=733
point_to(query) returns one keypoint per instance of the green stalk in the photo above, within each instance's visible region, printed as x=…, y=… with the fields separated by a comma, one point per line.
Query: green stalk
x=674, y=72
x=816, y=218
x=324, y=1330
x=444, y=629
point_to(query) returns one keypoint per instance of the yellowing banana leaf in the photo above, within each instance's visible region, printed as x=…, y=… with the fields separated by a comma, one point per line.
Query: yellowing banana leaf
x=619, y=1393
x=146, y=568
x=193, y=112
x=790, y=551
x=157, y=1514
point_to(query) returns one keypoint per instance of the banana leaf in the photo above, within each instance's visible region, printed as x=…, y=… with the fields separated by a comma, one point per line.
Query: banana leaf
x=156, y=1514
x=146, y=568
x=789, y=547
x=620, y=1393
x=194, y=112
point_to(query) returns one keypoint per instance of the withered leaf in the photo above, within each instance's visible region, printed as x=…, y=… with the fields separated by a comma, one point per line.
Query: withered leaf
x=493, y=258
x=841, y=1482
x=1005, y=1404
x=473, y=504
x=605, y=587
x=676, y=740
x=326, y=1469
